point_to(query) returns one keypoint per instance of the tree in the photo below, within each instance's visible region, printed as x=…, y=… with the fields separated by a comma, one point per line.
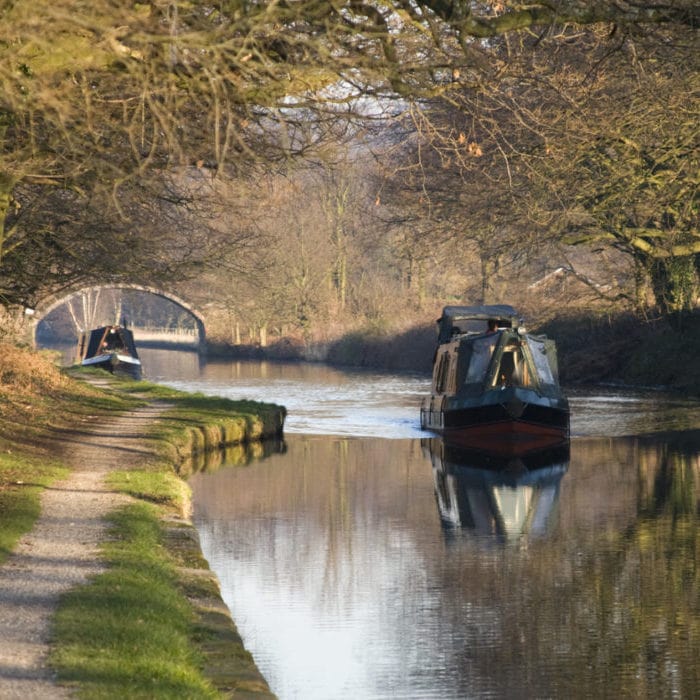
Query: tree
x=583, y=136
x=617, y=162
x=90, y=105
x=451, y=190
x=63, y=239
x=496, y=17
x=638, y=182
x=92, y=101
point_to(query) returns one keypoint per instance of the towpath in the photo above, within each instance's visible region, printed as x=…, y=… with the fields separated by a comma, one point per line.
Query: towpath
x=62, y=550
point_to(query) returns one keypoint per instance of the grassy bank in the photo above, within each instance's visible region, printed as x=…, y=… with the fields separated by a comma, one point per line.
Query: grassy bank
x=624, y=349
x=22, y=477
x=35, y=401
x=593, y=349
x=128, y=632
x=153, y=625
x=195, y=425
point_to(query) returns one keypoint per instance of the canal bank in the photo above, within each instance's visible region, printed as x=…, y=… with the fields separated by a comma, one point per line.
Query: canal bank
x=620, y=349
x=106, y=591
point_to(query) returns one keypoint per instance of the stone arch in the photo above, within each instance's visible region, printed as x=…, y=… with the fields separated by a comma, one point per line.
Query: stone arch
x=48, y=305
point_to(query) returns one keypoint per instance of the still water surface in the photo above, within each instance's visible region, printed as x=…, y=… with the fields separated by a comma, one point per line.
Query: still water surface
x=363, y=560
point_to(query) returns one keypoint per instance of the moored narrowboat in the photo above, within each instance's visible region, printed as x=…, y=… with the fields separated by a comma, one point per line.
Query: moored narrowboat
x=111, y=348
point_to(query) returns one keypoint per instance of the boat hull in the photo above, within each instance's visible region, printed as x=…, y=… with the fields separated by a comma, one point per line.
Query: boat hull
x=509, y=425
x=116, y=363
x=111, y=348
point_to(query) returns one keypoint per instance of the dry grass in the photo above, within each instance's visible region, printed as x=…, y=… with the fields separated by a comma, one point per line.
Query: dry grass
x=36, y=395
x=26, y=373
x=28, y=383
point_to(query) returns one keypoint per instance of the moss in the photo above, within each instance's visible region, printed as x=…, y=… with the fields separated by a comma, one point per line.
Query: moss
x=165, y=488
x=234, y=431
x=227, y=664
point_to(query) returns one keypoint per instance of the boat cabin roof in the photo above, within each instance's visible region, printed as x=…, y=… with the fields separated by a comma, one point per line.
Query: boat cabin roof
x=462, y=319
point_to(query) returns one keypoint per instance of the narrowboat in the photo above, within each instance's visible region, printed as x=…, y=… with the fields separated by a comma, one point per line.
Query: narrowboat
x=495, y=386
x=111, y=348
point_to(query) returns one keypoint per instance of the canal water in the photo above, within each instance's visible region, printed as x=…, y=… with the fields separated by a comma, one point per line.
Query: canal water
x=363, y=560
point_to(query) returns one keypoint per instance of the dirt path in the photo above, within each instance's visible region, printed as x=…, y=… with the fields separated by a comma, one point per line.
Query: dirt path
x=62, y=550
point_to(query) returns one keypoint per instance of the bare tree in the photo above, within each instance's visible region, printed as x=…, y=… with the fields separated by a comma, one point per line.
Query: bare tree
x=582, y=136
x=92, y=101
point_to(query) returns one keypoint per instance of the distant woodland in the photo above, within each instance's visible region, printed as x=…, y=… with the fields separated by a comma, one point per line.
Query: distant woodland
x=306, y=169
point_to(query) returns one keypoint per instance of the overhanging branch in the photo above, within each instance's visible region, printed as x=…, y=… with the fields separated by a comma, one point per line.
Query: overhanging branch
x=459, y=14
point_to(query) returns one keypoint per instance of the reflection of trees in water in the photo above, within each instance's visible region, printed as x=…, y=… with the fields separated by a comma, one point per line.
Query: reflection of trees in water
x=614, y=617
x=605, y=606
x=675, y=481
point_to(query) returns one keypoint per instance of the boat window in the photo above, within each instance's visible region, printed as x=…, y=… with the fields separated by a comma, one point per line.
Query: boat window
x=506, y=372
x=514, y=370
x=441, y=372
x=462, y=363
x=482, y=350
x=542, y=365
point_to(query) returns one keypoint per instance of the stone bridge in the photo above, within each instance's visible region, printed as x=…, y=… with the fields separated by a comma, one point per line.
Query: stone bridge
x=195, y=339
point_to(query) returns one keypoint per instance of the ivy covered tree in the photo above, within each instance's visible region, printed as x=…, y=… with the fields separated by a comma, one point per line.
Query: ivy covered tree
x=618, y=163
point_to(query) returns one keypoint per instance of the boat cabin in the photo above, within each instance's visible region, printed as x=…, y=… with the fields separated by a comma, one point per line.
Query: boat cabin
x=487, y=351
x=108, y=339
x=494, y=383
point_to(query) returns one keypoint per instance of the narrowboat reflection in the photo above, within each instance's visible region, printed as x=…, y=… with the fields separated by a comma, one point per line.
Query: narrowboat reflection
x=504, y=498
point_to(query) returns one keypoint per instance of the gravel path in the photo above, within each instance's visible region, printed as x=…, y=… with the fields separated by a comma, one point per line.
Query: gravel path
x=62, y=549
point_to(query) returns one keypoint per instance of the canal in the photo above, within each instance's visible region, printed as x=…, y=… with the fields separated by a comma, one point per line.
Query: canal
x=362, y=560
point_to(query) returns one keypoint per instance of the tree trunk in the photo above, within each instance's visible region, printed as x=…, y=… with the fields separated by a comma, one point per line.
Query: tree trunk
x=421, y=293
x=675, y=284
x=641, y=286
x=340, y=278
x=7, y=184
x=488, y=270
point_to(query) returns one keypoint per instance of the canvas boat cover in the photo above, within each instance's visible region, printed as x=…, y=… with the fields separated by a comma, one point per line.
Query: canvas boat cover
x=111, y=338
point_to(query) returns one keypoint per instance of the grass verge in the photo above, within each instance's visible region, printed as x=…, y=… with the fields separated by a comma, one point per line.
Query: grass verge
x=22, y=478
x=178, y=640
x=153, y=625
x=127, y=634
